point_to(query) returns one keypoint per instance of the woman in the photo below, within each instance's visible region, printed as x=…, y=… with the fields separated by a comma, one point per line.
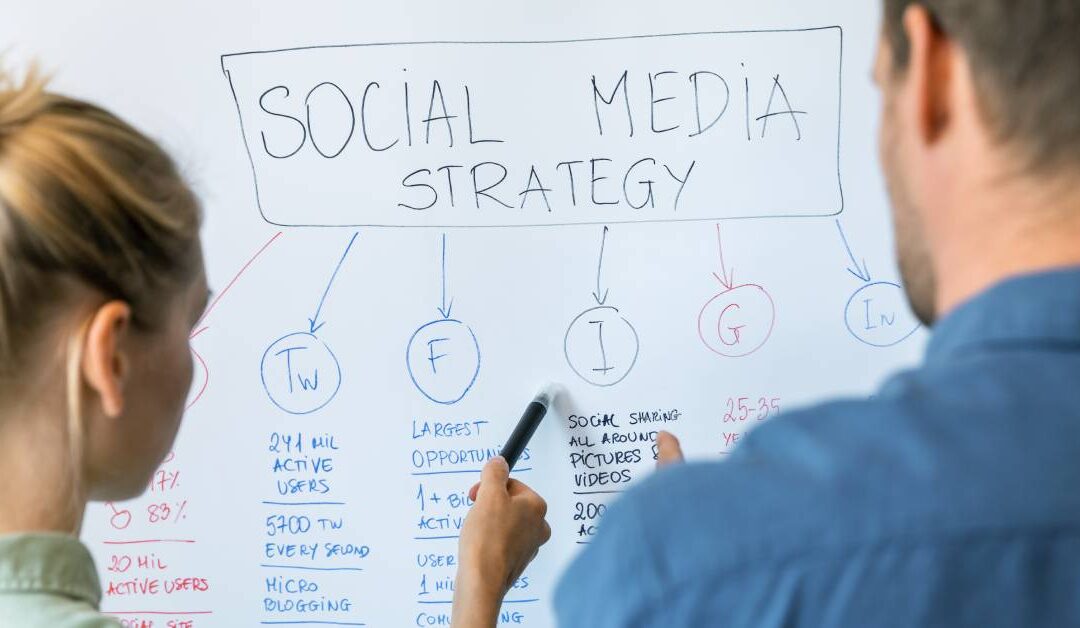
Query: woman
x=101, y=282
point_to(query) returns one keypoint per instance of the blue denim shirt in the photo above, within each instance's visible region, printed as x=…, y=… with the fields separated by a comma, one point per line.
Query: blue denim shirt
x=950, y=499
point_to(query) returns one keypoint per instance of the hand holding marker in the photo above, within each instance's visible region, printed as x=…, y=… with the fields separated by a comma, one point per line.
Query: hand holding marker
x=504, y=529
x=526, y=427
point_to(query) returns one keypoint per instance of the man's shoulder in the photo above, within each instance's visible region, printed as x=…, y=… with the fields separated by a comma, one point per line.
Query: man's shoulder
x=925, y=460
x=817, y=477
x=964, y=452
x=778, y=494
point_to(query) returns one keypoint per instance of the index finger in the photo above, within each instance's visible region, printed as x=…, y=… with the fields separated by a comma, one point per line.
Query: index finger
x=494, y=477
x=669, y=451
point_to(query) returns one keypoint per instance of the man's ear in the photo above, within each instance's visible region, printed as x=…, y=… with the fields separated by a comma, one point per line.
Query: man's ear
x=105, y=364
x=929, y=74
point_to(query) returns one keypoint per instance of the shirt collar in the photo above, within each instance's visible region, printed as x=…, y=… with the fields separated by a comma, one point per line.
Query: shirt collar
x=48, y=563
x=1036, y=309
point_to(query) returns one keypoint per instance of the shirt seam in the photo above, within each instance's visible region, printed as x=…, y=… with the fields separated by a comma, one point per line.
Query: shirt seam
x=78, y=592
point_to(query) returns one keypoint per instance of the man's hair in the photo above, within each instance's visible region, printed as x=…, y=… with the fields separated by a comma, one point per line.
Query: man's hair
x=1025, y=57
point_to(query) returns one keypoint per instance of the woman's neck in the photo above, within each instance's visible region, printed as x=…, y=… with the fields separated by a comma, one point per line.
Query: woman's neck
x=37, y=493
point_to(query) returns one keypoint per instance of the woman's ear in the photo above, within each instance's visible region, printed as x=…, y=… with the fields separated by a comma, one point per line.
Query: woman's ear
x=105, y=364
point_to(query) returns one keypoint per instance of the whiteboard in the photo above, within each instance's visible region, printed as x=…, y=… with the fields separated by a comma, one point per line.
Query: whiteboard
x=417, y=213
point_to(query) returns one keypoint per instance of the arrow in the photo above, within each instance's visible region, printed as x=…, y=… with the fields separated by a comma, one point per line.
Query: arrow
x=600, y=298
x=445, y=309
x=313, y=323
x=862, y=272
x=198, y=327
x=725, y=278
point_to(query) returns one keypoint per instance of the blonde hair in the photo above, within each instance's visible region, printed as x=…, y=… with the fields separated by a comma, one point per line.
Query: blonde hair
x=85, y=198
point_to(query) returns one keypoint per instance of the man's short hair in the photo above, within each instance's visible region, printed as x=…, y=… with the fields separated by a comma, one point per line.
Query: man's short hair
x=1025, y=57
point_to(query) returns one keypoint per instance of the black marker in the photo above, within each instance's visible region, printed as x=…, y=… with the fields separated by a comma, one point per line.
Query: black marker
x=526, y=427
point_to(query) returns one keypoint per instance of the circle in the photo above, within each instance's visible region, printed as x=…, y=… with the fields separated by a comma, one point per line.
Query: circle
x=601, y=346
x=737, y=322
x=878, y=315
x=120, y=519
x=443, y=358
x=300, y=373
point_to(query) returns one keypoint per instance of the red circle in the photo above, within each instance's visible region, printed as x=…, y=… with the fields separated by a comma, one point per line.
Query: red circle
x=768, y=334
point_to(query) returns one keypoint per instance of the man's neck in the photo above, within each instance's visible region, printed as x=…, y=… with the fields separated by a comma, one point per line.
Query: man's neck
x=1023, y=226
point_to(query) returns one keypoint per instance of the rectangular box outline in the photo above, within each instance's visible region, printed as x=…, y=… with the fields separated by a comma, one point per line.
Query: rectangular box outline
x=839, y=127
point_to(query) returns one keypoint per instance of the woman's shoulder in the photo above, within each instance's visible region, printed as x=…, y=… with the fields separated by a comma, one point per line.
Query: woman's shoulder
x=48, y=610
x=49, y=579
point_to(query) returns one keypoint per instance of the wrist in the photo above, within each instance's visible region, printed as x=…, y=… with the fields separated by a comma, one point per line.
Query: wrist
x=481, y=584
x=477, y=599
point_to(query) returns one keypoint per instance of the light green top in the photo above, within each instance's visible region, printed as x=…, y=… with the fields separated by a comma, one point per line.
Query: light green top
x=49, y=580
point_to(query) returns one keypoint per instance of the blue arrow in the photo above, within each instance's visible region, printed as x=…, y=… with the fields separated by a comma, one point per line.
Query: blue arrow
x=862, y=272
x=445, y=309
x=313, y=323
x=601, y=297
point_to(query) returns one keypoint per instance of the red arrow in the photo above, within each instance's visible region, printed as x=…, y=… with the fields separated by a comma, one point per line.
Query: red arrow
x=725, y=278
x=213, y=304
x=199, y=328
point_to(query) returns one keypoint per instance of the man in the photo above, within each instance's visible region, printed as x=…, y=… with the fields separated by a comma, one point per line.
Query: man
x=953, y=497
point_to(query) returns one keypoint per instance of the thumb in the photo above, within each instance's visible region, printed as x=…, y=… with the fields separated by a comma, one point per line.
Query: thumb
x=669, y=451
x=494, y=477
